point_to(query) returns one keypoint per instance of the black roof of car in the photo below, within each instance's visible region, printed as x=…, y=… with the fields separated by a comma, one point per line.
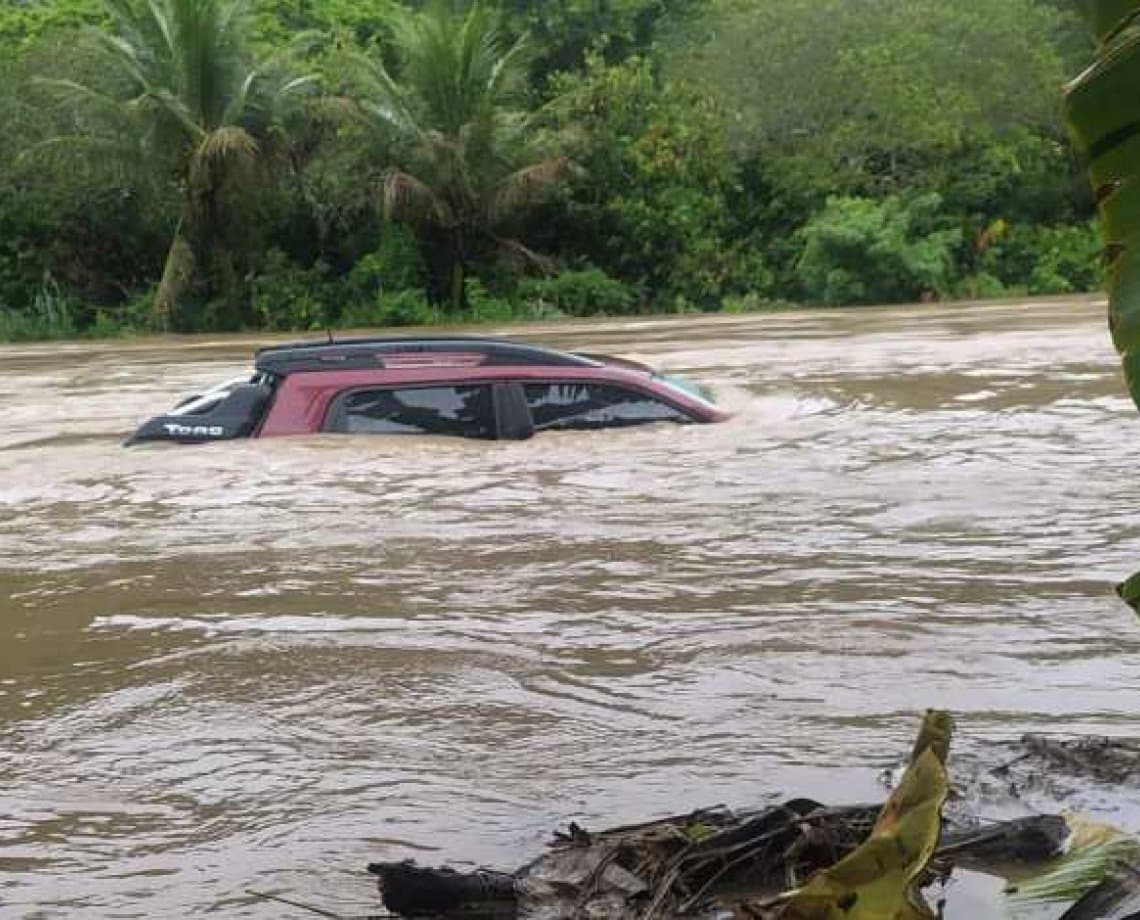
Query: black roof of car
x=351, y=354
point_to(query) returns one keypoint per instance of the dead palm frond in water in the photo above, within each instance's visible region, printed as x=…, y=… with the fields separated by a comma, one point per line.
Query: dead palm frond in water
x=182, y=90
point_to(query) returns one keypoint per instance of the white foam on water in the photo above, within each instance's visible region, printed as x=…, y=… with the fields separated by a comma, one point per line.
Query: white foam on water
x=250, y=624
x=977, y=396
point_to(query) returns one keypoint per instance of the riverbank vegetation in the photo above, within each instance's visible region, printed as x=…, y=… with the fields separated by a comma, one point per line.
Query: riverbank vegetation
x=209, y=165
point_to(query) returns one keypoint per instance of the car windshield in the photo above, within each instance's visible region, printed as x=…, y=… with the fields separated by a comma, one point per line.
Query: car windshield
x=687, y=387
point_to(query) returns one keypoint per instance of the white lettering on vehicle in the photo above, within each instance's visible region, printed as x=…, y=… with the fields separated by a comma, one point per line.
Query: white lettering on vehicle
x=194, y=431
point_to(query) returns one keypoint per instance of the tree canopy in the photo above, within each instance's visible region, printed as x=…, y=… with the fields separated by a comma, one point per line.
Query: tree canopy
x=220, y=164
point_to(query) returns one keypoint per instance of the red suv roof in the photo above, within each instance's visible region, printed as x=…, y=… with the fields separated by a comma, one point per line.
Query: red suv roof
x=305, y=388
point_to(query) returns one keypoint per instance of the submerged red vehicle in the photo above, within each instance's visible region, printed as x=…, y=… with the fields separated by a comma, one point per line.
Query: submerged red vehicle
x=465, y=386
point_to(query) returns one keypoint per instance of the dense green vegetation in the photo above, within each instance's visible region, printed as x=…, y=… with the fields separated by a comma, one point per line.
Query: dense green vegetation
x=296, y=164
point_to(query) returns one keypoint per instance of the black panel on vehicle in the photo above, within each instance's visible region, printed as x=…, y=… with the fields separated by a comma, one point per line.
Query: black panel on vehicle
x=236, y=414
x=555, y=406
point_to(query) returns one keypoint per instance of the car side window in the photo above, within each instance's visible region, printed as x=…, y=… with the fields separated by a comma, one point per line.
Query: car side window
x=563, y=406
x=465, y=411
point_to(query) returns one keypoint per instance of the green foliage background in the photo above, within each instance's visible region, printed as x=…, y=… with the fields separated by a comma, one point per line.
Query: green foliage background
x=728, y=154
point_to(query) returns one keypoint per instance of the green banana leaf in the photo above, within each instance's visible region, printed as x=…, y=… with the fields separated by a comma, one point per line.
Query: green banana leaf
x=1102, y=108
x=1097, y=853
x=877, y=881
x=1129, y=592
x=1105, y=16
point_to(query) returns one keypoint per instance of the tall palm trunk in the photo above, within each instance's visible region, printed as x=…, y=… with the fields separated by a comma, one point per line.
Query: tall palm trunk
x=198, y=246
x=443, y=252
x=177, y=275
x=458, y=273
x=457, y=287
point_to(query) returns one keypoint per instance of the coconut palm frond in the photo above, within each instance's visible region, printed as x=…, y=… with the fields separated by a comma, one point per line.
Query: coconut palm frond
x=78, y=94
x=448, y=165
x=506, y=75
x=122, y=12
x=225, y=145
x=526, y=187
x=448, y=59
x=273, y=82
x=240, y=101
x=123, y=56
x=480, y=55
x=174, y=107
x=453, y=111
x=139, y=26
x=137, y=65
x=407, y=198
x=298, y=84
x=387, y=117
x=512, y=124
x=524, y=258
x=382, y=98
x=160, y=23
x=234, y=16
x=296, y=97
x=456, y=81
x=111, y=154
x=336, y=109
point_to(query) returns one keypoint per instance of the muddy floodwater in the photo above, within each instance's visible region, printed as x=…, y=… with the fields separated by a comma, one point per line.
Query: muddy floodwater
x=264, y=664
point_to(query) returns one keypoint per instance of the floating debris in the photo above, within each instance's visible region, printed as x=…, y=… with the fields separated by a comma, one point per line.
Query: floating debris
x=803, y=860
x=800, y=860
x=1106, y=760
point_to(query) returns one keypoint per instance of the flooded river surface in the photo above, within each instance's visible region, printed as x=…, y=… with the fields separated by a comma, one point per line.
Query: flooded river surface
x=263, y=664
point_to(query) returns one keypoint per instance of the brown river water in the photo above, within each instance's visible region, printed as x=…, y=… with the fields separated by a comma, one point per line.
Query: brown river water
x=264, y=664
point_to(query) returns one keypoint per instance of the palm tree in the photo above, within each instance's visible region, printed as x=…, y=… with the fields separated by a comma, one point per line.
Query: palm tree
x=185, y=91
x=468, y=163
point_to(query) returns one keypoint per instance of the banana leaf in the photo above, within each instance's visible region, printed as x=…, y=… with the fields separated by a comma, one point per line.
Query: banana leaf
x=1099, y=854
x=1129, y=592
x=1102, y=109
x=877, y=881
